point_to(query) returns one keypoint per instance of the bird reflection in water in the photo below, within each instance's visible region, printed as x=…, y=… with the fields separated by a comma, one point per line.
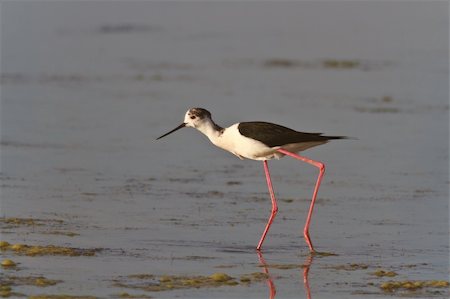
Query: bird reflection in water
x=306, y=266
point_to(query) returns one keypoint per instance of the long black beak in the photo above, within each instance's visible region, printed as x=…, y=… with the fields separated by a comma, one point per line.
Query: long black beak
x=177, y=128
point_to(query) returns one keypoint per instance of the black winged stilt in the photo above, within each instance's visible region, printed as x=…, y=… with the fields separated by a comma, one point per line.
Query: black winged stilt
x=261, y=141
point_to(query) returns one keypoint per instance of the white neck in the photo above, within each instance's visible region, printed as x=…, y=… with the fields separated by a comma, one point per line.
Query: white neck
x=210, y=129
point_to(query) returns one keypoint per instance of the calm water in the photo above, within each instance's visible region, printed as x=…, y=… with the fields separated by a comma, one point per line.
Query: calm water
x=87, y=86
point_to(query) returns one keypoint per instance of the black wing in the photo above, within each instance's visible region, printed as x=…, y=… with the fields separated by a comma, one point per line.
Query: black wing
x=276, y=135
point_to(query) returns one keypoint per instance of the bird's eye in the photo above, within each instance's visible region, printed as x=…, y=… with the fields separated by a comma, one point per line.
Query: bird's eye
x=193, y=117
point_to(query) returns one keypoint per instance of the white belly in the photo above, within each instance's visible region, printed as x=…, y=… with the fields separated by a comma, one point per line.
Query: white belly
x=243, y=147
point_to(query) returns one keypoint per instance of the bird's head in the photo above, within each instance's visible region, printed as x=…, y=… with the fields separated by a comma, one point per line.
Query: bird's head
x=194, y=118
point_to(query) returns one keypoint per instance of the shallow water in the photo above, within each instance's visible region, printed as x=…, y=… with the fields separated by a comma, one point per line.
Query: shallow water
x=87, y=86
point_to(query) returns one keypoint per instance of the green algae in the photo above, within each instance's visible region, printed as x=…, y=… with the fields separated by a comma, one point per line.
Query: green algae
x=149, y=282
x=245, y=280
x=14, y=222
x=44, y=282
x=7, y=293
x=39, y=281
x=7, y=263
x=58, y=250
x=44, y=226
x=7, y=282
x=254, y=277
x=350, y=267
x=154, y=283
x=220, y=277
x=383, y=273
x=412, y=285
x=37, y=250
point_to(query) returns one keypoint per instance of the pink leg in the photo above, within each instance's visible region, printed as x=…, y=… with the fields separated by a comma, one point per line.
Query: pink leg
x=274, y=205
x=321, y=167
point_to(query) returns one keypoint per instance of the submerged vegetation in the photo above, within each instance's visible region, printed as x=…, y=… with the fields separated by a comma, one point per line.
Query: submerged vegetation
x=155, y=283
x=37, y=250
x=383, y=273
x=412, y=285
x=8, y=263
x=8, y=282
x=350, y=267
x=40, y=226
x=18, y=222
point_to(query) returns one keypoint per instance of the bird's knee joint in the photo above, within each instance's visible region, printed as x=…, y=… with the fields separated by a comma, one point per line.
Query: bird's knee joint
x=275, y=210
x=322, y=167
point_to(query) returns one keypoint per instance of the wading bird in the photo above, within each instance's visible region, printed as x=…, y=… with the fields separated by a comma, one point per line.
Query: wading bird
x=261, y=141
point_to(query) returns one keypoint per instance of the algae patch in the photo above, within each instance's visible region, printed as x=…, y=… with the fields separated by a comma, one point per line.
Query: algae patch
x=7, y=263
x=40, y=226
x=220, y=277
x=350, y=267
x=18, y=222
x=15, y=222
x=254, y=277
x=37, y=250
x=44, y=282
x=7, y=282
x=6, y=292
x=382, y=273
x=4, y=244
x=155, y=283
x=38, y=281
x=412, y=285
x=323, y=254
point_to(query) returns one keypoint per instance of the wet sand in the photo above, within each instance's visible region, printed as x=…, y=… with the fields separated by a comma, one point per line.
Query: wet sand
x=93, y=206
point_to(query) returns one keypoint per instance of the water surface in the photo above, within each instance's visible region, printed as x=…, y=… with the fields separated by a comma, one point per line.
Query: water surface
x=86, y=87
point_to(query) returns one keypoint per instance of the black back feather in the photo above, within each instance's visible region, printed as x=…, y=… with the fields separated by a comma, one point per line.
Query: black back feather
x=276, y=135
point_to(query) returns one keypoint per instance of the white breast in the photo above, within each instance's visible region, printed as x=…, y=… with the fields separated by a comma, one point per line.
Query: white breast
x=243, y=147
